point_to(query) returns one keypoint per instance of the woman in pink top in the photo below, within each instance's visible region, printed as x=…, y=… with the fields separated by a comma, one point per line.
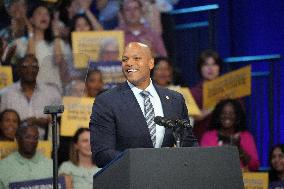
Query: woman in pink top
x=228, y=127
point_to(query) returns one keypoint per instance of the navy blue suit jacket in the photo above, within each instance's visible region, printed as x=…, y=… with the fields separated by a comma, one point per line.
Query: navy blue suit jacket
x=117, y=122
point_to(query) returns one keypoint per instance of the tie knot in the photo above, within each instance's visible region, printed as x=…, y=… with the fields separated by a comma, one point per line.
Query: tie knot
x=144, y=94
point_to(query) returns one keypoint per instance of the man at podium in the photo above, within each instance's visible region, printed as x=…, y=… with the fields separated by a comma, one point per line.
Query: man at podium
x=123, y=117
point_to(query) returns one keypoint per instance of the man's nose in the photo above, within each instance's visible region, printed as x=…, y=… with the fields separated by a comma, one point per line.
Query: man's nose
x=129, y=62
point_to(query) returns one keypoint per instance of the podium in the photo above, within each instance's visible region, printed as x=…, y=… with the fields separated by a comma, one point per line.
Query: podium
x=173, y=168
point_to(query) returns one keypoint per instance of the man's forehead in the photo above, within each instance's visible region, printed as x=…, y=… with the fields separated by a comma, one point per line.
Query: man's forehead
x=30, y=61
x=138, y=49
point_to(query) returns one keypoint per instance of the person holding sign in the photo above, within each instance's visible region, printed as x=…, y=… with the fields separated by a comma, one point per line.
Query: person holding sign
x=228, y=127
x=209, y=67
x=118, y=120
x=26, y=163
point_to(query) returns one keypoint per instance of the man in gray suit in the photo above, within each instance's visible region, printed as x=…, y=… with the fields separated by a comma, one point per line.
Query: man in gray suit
x=122, y=117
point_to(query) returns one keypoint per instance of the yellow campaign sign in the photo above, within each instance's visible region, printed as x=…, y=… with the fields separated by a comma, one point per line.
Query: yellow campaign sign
x=233, y=85
x=6, y=76
x=97, y=46
x=189, y=100
x=255, y=180
x=7, y=148
x=77, y=112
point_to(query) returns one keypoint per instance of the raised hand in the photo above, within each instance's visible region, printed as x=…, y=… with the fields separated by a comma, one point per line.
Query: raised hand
x=56, y=26
x=85, y=4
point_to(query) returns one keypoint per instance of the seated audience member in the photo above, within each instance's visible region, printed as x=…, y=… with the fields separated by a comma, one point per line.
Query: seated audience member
x=9, y=123
x=94, y=83
x=209, y=67
x=276, y=161
x=228, y=127
x=91, y=88
x=28, y=97
x=26, y=163
x=75, y=88
x=80, y=165
x=136, y=31
x=162, y=73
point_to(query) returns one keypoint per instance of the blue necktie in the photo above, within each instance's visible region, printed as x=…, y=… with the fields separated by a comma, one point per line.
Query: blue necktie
x=149, y=115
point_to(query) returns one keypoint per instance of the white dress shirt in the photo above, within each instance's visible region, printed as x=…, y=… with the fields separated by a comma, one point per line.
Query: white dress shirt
x=157, y=105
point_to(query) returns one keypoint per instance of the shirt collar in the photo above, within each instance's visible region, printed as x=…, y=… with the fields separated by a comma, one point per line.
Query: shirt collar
x=151, y=89
x=19, y=86
x=35, y=159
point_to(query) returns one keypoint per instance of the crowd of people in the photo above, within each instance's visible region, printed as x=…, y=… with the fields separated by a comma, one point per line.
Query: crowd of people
x=37, y=45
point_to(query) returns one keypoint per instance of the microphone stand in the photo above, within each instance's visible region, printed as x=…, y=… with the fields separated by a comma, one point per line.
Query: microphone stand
x=54, y=110
x=181, y=126
x=178, y=133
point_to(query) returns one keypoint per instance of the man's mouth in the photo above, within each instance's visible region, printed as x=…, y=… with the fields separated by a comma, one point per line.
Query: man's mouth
x=131, y=70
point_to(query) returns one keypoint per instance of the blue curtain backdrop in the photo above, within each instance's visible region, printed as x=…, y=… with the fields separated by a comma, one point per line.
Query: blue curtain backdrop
x=244, y=28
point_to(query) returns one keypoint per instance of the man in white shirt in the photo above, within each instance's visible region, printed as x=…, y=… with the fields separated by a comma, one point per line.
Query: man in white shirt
x=28, y=97
x=123, y=117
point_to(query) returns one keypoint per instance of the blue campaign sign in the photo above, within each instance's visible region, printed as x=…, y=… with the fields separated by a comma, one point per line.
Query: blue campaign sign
x=38, y=184
x=276, y=185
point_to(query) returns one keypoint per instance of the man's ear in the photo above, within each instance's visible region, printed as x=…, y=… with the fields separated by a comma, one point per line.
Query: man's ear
x=151, y=63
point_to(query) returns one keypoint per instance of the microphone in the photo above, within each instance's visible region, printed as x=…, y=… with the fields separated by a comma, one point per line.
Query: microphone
x=168, y=123
x=183, y=123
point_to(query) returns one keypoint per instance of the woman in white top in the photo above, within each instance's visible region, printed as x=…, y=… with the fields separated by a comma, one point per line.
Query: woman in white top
x=45, y=43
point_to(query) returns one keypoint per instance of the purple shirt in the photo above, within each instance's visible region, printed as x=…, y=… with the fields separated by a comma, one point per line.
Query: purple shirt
x=146, y=36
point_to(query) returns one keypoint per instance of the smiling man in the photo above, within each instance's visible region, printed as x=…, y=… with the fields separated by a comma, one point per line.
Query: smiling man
x=123, y=117
x=25, y=163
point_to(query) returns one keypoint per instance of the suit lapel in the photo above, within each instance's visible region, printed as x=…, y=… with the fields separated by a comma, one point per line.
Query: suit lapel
x=165, y=100
x=132, y=105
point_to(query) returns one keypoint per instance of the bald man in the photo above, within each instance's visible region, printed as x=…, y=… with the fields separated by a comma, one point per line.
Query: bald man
x=122, y=117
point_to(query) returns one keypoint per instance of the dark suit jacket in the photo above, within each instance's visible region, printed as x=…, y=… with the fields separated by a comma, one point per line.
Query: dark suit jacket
x=117, y=122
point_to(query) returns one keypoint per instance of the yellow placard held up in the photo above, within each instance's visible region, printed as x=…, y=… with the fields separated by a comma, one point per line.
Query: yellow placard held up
x=95, y=45
x=6, y=77
x=77, y=112
x=191, y=105
x=255, y=180
x=7, y=148
x=233, y=85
